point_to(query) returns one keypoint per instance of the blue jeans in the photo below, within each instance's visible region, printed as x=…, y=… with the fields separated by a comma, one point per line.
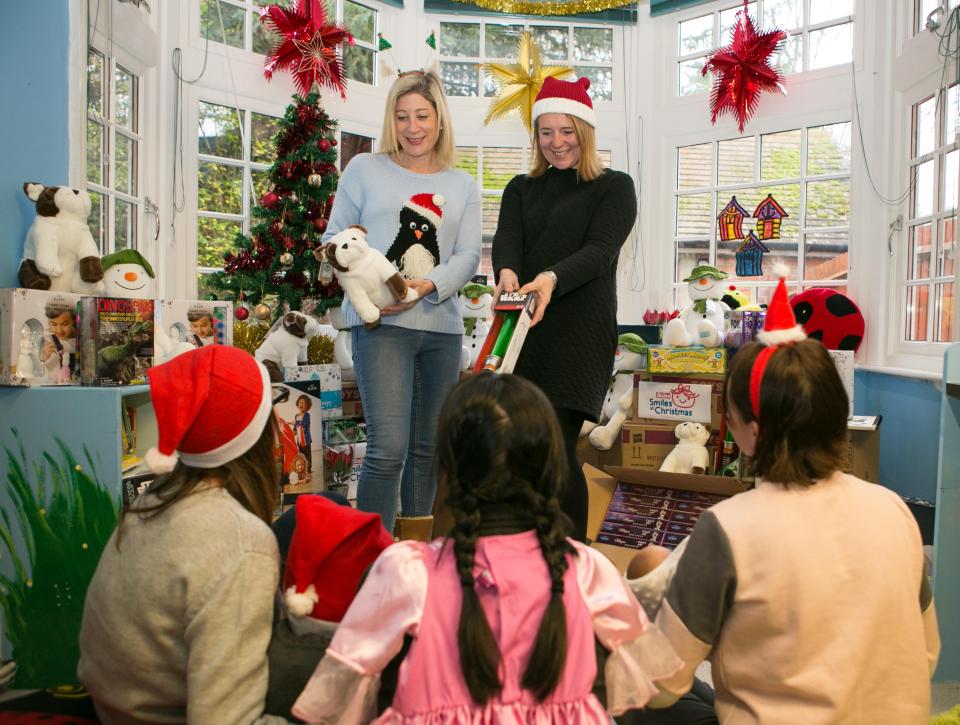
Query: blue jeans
x=404, y=377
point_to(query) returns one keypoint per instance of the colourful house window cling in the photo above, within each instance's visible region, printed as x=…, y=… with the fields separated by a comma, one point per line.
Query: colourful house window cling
x=768, y=214
x=730, y=221
x=750, y=256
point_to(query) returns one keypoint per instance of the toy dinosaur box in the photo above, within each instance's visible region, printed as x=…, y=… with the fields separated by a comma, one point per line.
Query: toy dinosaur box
x=116, y=340
x=199, y=322
x=38, y=337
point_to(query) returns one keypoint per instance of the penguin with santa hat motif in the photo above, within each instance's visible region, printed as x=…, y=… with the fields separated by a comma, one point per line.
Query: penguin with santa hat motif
x=415, y=250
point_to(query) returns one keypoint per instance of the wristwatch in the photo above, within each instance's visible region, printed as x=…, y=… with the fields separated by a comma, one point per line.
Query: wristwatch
x=552, y=275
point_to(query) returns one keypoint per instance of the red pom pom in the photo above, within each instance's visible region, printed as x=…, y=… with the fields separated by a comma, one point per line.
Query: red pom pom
x=324, y=144
x=241, y=313
x=320, y=224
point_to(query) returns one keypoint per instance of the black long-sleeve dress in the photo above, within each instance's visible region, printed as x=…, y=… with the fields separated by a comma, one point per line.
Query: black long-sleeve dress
x=576, y=230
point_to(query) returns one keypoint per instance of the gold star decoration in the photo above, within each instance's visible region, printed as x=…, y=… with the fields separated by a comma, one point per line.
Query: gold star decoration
x=519, y=83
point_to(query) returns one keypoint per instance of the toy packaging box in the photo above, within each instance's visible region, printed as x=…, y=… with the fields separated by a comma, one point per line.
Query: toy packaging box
x=301, y=436
x=116, y=340
x=322, y=383
x=501, y=348
x=38, y=337
x=199, y=322
x=665, y=359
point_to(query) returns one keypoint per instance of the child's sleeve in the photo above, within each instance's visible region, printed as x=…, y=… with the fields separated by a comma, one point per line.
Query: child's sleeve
x=389, y=605
x=640, y=655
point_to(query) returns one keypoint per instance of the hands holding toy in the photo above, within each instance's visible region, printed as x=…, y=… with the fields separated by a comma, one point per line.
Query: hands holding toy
x=508, y=283
x=423, y=287
x=543, y=284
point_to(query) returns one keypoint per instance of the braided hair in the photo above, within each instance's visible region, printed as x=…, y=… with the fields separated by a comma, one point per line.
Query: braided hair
x=500, y=440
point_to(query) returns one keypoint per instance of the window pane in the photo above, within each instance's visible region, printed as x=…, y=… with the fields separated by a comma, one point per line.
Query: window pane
x=918, y=251
x=601, y=81
x=263, y=37
x=95, y=82
x=690, y=79
x=924, y=127
x=789, y=57
x=95, y=170
x=125, y=99
x=499, y=166
x=261, y=183
x=735, y=161
x=606, y=158
x=950, y=169
x=219, y=131
x=362, y=22
x=925, y=7
x=831, y=46
x=694, y=166
x=500, y=41
x=689, y=255
x=459, y=79
x=783, y=249
x=222, y=22
x=780, y=155
x=826, y=256
x=490, y=88
x=823, y=10
x=694, y=217
x=214, y=237
x=124, y=228
x=828, y=149
x=783, y=14
x=219, y=188
x=916, y=316
x=728, y=19
x=552, y=41
x=696, y=35
x=358, y=63
x=95, y=220
x=943, y=322
x=952, y=128
x=125, y=165
x=467, y=160
x=262, y=130
x=352, y=144
x=923, y=190
x=948, y=246
x=490, y=210
x=828, y=203
x=460, y=39
x=593, y=44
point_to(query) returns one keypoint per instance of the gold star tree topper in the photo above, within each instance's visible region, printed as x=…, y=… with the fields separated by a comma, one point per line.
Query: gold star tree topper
x=519, y=83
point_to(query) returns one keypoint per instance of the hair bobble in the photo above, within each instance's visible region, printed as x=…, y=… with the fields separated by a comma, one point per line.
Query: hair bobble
x=466, y=582
x=557, y=587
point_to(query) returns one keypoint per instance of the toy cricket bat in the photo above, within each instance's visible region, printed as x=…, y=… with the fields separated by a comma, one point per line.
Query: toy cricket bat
x=501, y=348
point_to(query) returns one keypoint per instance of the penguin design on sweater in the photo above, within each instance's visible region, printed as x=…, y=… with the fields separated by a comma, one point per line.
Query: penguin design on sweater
x=415, y=251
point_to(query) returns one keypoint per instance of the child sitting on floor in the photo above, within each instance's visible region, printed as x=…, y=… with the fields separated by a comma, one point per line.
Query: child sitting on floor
x=503, y=613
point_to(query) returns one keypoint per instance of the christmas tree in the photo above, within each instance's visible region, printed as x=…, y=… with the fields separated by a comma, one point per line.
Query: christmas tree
x=276, y=261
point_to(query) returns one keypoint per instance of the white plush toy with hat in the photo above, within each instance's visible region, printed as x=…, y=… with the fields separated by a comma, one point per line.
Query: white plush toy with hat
x=630, y=355
x=701, y=323
x=127, y=274
x=287, y=342
x=475, y=301
x=211, y=405
x=690, y=455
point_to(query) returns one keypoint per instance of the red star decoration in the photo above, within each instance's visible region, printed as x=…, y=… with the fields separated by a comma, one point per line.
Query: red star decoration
x=308, y=46
x=742, y=70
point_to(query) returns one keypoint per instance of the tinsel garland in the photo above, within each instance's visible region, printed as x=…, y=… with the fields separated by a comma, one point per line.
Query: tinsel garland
x=249, y=335
x=548, y=7
x=320, y=350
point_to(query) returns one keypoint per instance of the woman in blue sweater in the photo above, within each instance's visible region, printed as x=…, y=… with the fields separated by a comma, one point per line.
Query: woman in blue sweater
x=425, y=216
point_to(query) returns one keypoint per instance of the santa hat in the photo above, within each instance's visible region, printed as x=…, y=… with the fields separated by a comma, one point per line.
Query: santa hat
x=780, y=326
x=427, y=206
x=211, y=405
x=332, y=547
x=126, y=256
x=568, y=97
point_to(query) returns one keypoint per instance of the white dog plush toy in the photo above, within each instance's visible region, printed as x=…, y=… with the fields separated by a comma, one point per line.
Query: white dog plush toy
x=59, y=253
x=368, y=279
x=690, y=454
x=702, y=323
x=630, y=355
x=286, y=344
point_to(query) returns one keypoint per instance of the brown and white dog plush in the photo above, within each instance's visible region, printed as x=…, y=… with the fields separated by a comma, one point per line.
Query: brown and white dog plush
x=368, y=278
x=286, y=344
x=59, y=253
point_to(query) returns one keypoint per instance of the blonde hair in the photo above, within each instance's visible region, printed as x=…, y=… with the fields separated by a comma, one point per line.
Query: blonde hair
x=428, y=85
x=589, y=167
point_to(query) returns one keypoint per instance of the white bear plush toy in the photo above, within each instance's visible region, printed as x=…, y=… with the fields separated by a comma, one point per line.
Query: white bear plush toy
x=59, y=253
x=368, y=279
x=631, y=354
x=475, y=301
x=286, y=344
x=702, y=323
x=690, y=455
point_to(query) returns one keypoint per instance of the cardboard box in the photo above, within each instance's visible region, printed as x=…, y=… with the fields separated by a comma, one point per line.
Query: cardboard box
x=647, y=507
x=321, y=383
x=199, y=322
x=352, y=406
x=589, y=455
x=38, y=337
x=301, y=437
x=115, y=340
x=674, y=401
x=715, y=382
x=863, y=447
x=356, y=453
x=646, y=445
x=665, y=359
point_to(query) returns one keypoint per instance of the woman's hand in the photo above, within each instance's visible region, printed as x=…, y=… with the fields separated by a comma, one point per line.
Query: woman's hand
x=543, y=285
x=423, y=288
x=509, y=282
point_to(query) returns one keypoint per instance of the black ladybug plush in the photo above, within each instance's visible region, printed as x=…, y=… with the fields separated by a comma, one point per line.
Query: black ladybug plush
x=830, y=317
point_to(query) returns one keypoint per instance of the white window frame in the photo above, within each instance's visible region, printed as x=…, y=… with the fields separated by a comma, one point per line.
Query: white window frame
x=919, y=13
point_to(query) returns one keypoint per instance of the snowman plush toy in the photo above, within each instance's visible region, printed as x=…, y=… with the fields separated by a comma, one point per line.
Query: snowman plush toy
x=127, y=274
x=631, y=354
x=702, y=322
x=475, y=301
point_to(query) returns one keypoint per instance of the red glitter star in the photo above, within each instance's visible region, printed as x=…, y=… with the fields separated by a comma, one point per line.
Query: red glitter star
x=742, y=70
x=308, y=46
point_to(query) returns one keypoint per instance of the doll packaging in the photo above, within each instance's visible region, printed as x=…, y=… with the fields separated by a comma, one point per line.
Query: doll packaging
x=38, y=337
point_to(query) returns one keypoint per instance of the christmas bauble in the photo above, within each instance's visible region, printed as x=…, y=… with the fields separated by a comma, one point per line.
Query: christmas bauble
x=324, y=144
x=210, y=296
x=333, y=142
x=314, y=179
x=286, y=259
x=269, y=200
x=241, y=313
x=320, y=224
x=261, y=312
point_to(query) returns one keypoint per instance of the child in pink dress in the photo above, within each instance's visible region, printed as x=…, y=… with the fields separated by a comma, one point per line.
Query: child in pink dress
x=504, y=612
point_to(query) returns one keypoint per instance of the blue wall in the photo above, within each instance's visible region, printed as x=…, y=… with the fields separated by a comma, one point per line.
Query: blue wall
x=909, y=433
x=34, y=42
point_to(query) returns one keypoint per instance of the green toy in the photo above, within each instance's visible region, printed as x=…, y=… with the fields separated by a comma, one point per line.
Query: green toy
x=116, y=361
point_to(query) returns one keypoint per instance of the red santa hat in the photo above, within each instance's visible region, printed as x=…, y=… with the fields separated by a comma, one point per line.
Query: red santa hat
x=211, y=404
x=428, y=206
x=568, y=97
x=332, y=547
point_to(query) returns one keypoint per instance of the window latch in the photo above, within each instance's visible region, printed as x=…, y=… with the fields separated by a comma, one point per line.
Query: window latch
x=895, y=226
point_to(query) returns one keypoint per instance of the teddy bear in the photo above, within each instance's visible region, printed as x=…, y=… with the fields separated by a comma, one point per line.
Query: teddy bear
x=475, y=301
x=690, y=454
x=702, y=323
x=630, y=355
x=59, y=253
x=286, y=343
x=368, y=279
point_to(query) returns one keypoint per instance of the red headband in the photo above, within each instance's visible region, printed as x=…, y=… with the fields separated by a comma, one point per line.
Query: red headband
x=756, y=377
